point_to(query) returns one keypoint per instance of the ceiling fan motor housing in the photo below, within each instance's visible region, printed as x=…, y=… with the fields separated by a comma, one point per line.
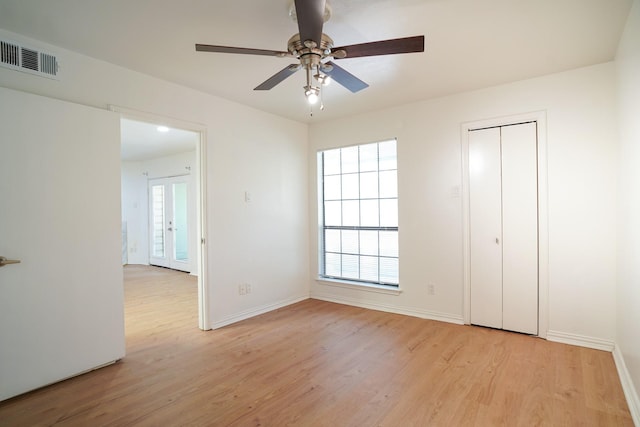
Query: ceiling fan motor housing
x=308, y=52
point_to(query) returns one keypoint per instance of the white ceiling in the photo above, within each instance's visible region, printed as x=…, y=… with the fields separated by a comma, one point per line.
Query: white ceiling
x=143, y=141
x=470, y=44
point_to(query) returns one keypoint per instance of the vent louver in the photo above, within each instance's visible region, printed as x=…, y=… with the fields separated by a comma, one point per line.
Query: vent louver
x=48, y=64
x=27, y=59
x=30, y=59
x=9, y=53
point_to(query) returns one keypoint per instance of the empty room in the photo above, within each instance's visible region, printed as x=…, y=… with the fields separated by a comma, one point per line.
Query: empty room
x=388, y=212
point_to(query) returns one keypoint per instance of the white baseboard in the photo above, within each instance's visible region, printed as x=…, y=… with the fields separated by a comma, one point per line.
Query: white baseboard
x=255, y=312
x=580, y=340
x=627, y=386
x=407, y=311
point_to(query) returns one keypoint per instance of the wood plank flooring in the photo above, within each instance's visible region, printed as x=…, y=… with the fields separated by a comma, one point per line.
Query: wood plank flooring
x=322, y=364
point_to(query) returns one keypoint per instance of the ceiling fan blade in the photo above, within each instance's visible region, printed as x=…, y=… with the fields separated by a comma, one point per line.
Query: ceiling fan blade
x=310, y=15
x=383, y=47
x=240, y=50
x=344, y=77
x=278, y=77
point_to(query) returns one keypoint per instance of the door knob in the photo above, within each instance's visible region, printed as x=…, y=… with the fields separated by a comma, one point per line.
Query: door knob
x=497, y=240
x=4, y=261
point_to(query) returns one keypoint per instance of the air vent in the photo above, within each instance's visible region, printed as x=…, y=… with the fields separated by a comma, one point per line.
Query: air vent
x=27, y=59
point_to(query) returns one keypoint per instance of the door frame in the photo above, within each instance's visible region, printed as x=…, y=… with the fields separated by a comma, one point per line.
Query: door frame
x=204, y=316
x=540, y=117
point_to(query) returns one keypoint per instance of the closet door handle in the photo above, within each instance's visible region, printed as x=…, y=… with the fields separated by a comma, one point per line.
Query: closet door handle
x=497, y=240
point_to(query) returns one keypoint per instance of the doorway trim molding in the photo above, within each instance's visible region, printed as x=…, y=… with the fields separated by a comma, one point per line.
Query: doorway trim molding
x=204, y=318
x=540, y=117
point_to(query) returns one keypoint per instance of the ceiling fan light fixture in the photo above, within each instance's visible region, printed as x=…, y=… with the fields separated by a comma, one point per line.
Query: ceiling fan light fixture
x=323, y=79
x=312, y=94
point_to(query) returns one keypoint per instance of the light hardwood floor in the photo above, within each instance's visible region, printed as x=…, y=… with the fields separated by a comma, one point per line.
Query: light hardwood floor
x=322, y=364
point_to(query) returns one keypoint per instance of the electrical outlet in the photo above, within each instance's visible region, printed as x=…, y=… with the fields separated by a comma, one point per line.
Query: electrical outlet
x=431, y=289
x=247, y=287
x=242, y=289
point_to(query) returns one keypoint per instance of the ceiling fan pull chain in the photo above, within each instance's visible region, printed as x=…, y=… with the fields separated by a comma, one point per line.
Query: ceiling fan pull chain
x=321, y=84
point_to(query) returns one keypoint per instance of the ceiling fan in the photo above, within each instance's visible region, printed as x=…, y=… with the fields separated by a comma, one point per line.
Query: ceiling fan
x=315, y=51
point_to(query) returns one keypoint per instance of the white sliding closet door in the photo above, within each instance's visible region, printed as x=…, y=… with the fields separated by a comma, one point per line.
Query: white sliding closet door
x=504, y=227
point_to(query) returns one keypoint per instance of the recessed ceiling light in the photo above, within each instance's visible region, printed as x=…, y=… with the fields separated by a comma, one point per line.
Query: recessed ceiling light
x=163, y=129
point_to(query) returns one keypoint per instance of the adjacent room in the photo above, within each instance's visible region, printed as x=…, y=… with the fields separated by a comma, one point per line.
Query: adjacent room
x=413, y=212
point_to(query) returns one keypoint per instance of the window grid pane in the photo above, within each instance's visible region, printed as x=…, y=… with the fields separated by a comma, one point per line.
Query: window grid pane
x=369, y=213
x=350, y=186
x=157, y=192
x=360, y=213
x=332, y=187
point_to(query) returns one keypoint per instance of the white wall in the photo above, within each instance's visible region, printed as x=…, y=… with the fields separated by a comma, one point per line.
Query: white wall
x=135, y=212
x=264, y=241
x=628, y=322
x=581, y=138
x=135, y=201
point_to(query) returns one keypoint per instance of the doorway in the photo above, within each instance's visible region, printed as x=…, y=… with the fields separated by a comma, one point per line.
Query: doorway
x=504, y=221
x=169, y=154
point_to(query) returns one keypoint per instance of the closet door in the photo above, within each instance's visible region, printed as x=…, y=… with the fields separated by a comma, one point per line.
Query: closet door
x=503, y=208
x=520, y=228
x=485, y=205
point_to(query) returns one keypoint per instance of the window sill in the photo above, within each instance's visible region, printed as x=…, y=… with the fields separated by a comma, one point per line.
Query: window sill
x=367, y=287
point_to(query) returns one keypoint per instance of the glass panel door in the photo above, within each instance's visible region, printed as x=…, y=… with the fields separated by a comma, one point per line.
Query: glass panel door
x=168, y=223
x=157, y=221
x=180, y=222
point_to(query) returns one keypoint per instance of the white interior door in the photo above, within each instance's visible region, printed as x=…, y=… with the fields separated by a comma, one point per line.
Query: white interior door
x=485, y=206
x=61, y=307
x=503, y=227
x=520, y=228
x=168, y=223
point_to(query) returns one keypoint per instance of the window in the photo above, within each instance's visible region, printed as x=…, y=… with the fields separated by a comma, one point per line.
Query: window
x=359, y=213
